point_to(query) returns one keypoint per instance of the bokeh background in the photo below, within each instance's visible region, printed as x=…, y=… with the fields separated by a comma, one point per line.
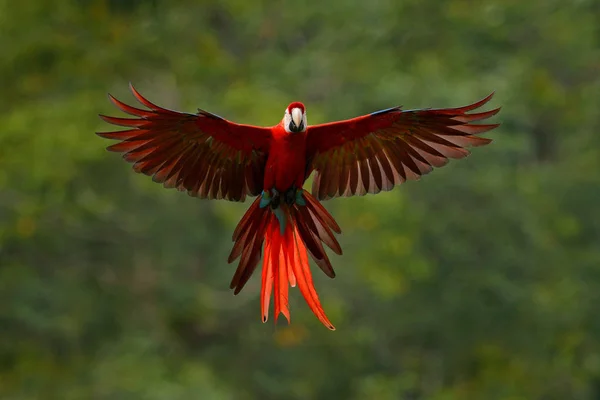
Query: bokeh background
x=481, y=281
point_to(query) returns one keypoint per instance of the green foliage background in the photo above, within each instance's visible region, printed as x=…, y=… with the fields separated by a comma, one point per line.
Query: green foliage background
x=481, y=281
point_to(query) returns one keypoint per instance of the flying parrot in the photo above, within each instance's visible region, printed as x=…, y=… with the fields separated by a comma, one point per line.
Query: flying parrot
x=210, y=157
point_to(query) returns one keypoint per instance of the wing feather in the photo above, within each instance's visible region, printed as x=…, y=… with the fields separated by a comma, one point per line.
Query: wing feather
x=376, y=152
x=203, y=154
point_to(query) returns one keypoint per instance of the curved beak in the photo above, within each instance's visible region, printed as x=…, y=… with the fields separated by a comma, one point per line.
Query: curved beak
x=297, y=117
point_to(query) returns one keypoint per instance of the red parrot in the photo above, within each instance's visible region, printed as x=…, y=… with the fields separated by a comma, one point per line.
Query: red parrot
x=212, y=158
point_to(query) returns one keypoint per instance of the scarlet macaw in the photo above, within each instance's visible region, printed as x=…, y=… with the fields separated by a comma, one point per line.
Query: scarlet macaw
x=213, y=158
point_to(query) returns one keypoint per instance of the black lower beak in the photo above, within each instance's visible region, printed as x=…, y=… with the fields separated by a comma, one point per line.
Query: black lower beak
x=294, y=128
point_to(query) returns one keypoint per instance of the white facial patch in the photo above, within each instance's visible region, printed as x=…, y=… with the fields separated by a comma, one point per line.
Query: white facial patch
x=297, y=116
x=287, y=118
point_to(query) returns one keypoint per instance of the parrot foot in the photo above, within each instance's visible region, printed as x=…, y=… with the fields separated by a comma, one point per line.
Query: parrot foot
x=271, y=198
x=275, y=199
x=299, y=198
x=294, y=196
x=290, y=196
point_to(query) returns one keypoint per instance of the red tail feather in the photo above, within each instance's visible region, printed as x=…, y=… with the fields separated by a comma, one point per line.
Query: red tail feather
x=285, y=258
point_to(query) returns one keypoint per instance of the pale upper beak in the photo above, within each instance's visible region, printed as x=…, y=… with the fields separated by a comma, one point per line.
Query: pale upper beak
x=297, y=116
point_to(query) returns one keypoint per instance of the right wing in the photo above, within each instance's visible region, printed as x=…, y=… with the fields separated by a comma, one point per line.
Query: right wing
x=378, y=151
x=203, y=154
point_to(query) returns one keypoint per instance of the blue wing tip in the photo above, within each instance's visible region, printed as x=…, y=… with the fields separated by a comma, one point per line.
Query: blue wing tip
x=387, y=110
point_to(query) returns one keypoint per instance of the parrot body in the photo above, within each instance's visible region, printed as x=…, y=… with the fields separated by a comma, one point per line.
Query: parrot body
x=212, y=158
x=286, y=163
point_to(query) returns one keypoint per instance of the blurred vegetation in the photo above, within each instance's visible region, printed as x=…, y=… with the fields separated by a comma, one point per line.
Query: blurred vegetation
x=481, y=281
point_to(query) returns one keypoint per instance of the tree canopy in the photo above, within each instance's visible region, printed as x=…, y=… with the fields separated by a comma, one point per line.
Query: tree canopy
x=480, y=281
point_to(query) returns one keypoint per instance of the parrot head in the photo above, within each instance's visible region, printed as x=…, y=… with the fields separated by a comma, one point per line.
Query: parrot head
x=294, y=120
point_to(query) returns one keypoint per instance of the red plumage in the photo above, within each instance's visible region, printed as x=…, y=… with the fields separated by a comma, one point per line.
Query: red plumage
x=211, y=157
x=296, y=104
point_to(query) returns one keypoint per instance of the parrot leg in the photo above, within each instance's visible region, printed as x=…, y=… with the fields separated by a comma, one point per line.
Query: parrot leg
x=294, y=196
x=273, y=198
x=299, y=198
x=276, y=199
x=270, y=197
x=290, y=196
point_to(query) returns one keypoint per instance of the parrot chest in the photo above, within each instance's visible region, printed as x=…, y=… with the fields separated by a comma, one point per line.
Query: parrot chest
x=286, y=164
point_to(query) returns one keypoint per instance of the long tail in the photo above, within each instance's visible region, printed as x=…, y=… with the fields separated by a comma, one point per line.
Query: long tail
x=285, y=260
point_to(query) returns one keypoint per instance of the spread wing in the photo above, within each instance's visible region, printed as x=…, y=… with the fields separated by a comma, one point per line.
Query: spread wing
x=378, y=151
x=203, y=154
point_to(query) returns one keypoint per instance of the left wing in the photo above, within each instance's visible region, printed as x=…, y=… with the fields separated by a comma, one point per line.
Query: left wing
x=203, y=154
x=378, y=151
